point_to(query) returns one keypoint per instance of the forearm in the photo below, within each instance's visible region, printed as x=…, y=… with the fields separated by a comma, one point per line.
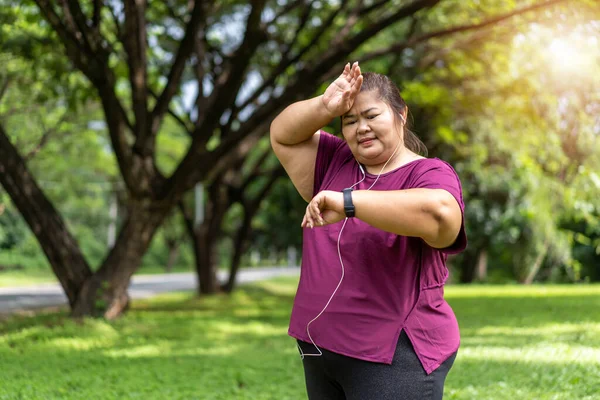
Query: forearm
x=430, y=214
x=299, y=121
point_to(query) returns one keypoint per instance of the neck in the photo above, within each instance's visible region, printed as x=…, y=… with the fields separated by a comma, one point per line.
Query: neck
x=400, y=157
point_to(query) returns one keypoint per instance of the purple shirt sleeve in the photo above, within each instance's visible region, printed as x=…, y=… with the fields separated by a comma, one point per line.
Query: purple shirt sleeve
x=438, y=174
x=328, y=147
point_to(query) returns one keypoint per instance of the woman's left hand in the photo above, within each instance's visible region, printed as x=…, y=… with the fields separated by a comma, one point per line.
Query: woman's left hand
x=327, y=207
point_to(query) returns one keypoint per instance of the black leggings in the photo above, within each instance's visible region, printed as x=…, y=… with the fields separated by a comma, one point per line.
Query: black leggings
x=336, y=377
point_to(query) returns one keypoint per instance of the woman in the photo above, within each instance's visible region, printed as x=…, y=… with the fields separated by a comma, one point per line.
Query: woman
x=369, y=314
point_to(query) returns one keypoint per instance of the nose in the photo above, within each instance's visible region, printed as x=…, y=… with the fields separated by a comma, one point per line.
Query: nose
x=363, y=126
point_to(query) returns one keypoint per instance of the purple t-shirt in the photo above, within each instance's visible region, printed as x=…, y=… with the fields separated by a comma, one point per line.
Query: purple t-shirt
x=391, y=282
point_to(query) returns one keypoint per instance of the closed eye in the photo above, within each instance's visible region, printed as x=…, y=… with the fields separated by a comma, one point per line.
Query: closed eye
x=372, y=116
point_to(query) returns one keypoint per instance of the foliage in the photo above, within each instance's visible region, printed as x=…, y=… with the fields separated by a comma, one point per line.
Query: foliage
x=538, y=342
x=523, y=137
x=278, y=225
x=51, y=116
x=469, y=95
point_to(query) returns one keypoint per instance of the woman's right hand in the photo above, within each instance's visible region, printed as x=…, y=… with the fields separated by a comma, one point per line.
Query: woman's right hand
x=340, y=95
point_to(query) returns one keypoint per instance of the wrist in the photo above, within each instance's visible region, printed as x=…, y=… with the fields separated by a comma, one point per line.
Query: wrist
x=324, y=110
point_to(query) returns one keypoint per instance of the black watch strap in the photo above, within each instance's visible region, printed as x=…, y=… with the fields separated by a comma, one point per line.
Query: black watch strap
x=348, y=205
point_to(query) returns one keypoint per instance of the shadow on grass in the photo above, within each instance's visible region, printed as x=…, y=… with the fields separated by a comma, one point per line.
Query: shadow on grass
x=261, y=367
x=226, y=347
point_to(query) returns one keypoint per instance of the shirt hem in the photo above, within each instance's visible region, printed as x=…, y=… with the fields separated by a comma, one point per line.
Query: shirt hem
x=430, y=367
x=436, y=365
x=379, y=360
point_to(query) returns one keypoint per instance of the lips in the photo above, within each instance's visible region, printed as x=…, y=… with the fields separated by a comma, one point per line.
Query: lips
x=366, y=140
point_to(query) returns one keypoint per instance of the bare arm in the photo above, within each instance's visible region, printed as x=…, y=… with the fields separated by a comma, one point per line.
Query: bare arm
x=431, y=214
x=295, y=141
x=294, y=135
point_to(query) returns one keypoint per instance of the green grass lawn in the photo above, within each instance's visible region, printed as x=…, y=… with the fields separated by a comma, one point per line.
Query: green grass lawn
x=539, y=342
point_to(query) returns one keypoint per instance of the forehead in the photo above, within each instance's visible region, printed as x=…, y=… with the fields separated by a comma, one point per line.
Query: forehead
x=366, y=100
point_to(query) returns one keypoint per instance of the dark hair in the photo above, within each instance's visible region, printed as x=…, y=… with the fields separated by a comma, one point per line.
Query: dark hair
x=389, y=93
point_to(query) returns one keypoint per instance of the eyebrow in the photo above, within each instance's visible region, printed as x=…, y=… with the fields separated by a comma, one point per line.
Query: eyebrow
x=362, y=113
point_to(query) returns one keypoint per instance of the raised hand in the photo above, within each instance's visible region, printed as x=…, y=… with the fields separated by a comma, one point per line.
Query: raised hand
x=339, y=96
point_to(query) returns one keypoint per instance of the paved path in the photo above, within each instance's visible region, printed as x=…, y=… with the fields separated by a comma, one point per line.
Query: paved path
x=141, y=286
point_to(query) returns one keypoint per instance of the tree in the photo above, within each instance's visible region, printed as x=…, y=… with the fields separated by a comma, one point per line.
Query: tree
x=520, y=134
x=138, y=69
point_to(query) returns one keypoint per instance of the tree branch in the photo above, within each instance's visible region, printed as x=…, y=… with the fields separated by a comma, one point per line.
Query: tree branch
x=435, y=54
x=91, y=37
x=184, y=124
x=239, y=142
x=184, y=51
x=274, y=174
x=200, y=101
x=256, y=170
x=229, y=82
x=45, y=137
x=68, y=36
x=95, y=66
x=134, y=42
x=457, y=29
x=119, y=32
x=315, y=73
x=4, y=88
x=369, y=9
x=303, y=20
x=286, y=63
x=98, y=4
x=286, y=9
x=375, y=28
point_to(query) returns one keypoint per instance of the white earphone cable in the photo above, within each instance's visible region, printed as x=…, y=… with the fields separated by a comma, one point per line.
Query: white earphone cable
x=319, y=352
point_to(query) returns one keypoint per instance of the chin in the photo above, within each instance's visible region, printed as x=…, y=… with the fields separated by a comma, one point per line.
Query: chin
x=369, y=157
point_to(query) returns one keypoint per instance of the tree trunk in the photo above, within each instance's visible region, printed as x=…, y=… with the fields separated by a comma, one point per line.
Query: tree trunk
x=204, y=237
x=206, y=268
x=173, y=255
x=105, y=293
x=482, y=264
x=60, y=247
x=467, y=271
x=537, y=264
x=251, y=207
x=240, y=245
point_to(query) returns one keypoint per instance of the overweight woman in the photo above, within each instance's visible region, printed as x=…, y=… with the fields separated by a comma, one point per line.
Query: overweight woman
x=369, y=314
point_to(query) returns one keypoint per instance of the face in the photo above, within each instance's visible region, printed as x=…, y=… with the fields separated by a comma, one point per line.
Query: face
x=371, y=129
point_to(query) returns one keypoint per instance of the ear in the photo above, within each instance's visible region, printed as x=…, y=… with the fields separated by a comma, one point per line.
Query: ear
x=404, y=116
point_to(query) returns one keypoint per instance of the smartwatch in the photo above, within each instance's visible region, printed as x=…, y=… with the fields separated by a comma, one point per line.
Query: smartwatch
x=348, y=205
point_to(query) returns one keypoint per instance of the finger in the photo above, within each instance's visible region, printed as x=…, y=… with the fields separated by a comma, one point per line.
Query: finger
x=310, y=213
x=303, y=224
x=309, y=220
x=355, y=70
x=316, y=213
x=356, y=87
x=347, y=70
